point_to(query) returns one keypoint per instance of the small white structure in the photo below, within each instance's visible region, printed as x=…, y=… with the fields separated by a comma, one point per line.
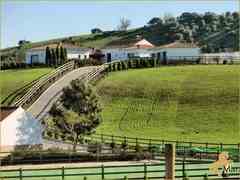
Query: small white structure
x=18, y=128
x=144, y=49
x=38, y=54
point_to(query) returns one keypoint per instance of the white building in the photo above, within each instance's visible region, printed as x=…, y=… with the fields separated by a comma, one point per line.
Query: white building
x=143, y=48
x=38, y=54
x=18, y=128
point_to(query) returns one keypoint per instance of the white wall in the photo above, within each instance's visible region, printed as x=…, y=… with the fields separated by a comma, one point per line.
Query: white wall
x=41, y=56
x=174, y=52
x=20, y=128
x=116, y=54
x=76, y=55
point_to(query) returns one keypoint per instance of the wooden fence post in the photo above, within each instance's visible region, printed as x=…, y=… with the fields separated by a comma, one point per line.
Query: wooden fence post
x=20, y=174
x=145, y=171
x=102, y=167
x=238, y=152
x=183, y=168
x=63, y=173
x=170, y=155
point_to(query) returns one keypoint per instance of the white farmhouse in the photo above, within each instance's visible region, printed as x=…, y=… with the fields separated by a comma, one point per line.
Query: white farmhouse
x=144, y=49
x=18, y=128
x=38, y=54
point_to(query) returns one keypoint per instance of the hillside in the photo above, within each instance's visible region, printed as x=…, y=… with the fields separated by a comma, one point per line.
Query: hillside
x=213, y=32
x=191, y=103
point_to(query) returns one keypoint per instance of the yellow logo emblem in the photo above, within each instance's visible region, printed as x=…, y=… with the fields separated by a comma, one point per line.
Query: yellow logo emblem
x=222, y=162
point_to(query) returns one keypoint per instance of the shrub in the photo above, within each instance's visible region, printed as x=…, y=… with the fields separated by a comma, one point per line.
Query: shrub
x=205, y=177
x=125, y=65
x=138, y=63
x=113, y=145
x=119, y=66
x=114, y=67
x=94, y=148
x=124, y=145
x=109, y=68
x=154, y=62
x=130, y=64
x=122, y=65
x=138, y=148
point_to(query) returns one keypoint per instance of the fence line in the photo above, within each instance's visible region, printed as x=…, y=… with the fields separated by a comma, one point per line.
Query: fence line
x=49, y=79
x=182, y=147
x=143, y=171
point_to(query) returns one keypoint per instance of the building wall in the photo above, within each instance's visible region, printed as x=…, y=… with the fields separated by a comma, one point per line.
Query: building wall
x=116, y=54
x=40, y=53
x=178, y=53
x=172, y=53
x=20, y=129
x=77, y=54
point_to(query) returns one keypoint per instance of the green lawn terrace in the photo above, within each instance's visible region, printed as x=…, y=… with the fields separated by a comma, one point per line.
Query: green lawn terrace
x=15, y=83
x=186, y=103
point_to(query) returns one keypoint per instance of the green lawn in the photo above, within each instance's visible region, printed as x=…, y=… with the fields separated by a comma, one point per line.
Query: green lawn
x=190, y=103
x=13, y=81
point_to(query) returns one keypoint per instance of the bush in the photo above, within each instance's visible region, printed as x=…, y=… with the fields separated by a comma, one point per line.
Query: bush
x=138, y=63
x=113, y=145
x=205, y=177
x=124, y=145
x=138, y=148
x=130, y=64
x=94, y=148
x=109, y=69
x=114, y=67
x=119, y=66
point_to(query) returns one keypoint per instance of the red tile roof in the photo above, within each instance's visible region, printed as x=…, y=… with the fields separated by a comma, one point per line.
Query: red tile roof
x=179, y=44
x=6, y=111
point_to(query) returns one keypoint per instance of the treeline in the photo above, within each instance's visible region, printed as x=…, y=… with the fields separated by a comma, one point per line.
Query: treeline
x=56, y=56
x=215, y=33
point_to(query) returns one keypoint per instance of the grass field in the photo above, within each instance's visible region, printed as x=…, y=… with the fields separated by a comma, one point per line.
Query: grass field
x=190, y=103
x=11, y=81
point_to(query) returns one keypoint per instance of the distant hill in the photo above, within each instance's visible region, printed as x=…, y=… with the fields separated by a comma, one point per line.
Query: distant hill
x=212, y=32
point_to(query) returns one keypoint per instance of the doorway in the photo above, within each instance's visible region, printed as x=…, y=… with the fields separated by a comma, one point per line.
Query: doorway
x=109, y=57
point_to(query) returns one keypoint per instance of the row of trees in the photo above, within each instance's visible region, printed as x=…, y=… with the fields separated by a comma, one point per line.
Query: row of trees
x=56, y=56
x=134, y=63
x=203, y=28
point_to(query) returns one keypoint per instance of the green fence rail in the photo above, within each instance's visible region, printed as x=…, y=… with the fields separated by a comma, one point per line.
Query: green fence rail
x=135, y=171
x=203, y=150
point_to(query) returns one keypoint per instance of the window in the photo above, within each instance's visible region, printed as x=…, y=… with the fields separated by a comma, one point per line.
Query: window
x=130, y=55
x=34, y=59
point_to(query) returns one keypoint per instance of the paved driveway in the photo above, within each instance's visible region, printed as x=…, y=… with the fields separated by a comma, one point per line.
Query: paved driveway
x=43, y=104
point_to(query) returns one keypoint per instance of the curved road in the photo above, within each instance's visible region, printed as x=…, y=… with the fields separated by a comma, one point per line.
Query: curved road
x=43, y=104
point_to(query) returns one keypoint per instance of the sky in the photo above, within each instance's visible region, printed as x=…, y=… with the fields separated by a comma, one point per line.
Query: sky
x=42, y=20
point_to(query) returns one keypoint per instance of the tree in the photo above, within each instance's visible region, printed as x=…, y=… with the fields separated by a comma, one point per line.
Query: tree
x=155, y=21
x=169, y=18
x=58, y=55
x=54, y=58
x=65, y=54
x=48, y=57
x=78, y=112
x=62, y=55
x=96, y=30
x=124, y=24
